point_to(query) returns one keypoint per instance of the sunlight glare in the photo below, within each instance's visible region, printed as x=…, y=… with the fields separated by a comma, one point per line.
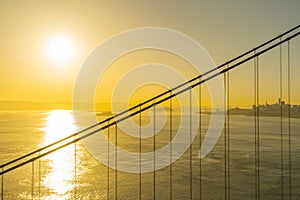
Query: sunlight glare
x=61, y=49
x=59, y=124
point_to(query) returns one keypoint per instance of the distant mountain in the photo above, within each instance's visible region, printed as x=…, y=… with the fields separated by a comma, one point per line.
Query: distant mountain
x=27, y=105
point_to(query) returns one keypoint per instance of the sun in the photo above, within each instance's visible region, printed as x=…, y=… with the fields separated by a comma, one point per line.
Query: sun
x=61, y=50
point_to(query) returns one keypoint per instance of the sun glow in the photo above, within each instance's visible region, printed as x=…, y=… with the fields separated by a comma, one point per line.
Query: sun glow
x=61, y=50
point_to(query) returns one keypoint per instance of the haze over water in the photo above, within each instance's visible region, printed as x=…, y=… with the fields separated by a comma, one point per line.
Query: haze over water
x=23, y=131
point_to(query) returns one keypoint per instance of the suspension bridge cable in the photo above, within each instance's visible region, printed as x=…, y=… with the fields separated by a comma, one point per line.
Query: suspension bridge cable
x=160, y=95
x=171, y=150
x=258, y=136
x=191, y=80
x=281, y=125
x=136, y=112
x=289, y=122
x=75, y=170
x=116, y=161
x=191, y=147
x=228, y=134
x=226, y=137
x=2, y=184
x=145, y=108
x=39, y=192
x=225, y=140
x=140, y=156
x=154, y=153
x=32, y=180
x=108, y=181
x=200, y=140
x=255, y=129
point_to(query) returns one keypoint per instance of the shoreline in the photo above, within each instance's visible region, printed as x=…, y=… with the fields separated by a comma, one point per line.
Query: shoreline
x=262, y=113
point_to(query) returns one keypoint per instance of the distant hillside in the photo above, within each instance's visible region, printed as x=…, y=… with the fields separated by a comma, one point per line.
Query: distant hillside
x=28, y=105
x=24, y=105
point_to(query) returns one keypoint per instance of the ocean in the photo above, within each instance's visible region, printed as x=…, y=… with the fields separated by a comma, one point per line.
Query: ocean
x=65, y=175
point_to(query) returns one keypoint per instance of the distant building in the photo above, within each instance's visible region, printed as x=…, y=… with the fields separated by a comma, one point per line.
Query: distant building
x=278, y=108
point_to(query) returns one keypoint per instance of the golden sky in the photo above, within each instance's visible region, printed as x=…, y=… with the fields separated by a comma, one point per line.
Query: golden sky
x=28, y=71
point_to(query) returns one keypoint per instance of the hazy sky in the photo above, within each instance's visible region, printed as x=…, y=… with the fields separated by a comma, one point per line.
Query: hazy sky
x=27, y=72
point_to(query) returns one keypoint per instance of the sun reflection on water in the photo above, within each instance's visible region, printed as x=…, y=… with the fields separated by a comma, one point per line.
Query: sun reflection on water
x=60, y=177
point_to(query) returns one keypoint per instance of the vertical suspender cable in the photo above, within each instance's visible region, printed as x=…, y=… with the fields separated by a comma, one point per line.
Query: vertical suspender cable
x=255, y=130
x=171, y=153
x=225, y=142
x=228, y=136
x=200, y=140
x=39, y=176
x=281, y=125
x=191, y=148
x=75, y=170
x=258, y=138
x=116, y=161
x=154, y=153
x=108, y=162
x=140, y=151
x=289, y=121
x=2, y=184
x=32, y=180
